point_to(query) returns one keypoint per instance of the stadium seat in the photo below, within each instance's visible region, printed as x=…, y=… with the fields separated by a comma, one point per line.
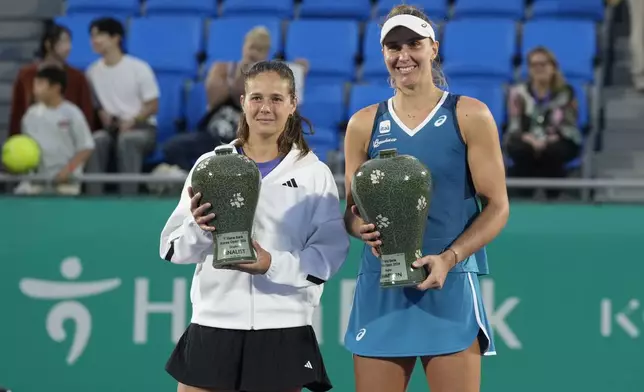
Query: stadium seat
x=323, y=141
x=490, y=93
x=324, y=105
x=583, y=102
x=511, y=9
x=363, y=95
x=373, y=65
x=121, y=8
x=196, y=104
x=82, y=54
x=337, y=9
x=182, y=7
x=179, y=40
x=466, y=54
x=275, y=8
x=435, y=9
x=330, y=46
x=226, y=36
x=575, y=163
x=170, y=105
x=573, y=42
x=569, y=9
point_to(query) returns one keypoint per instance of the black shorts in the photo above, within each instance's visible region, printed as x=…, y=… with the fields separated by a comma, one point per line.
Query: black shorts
x=252, y=361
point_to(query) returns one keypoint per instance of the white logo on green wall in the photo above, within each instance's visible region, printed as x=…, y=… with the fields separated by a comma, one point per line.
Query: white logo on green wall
x=71, y=269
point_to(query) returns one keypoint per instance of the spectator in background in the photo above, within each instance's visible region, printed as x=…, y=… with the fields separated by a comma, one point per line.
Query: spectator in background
x=542, y=135
x=224, y=87
x=55, y=46
x=128, y=95
x=636, y=10
x=62, y=132
x=636, y=16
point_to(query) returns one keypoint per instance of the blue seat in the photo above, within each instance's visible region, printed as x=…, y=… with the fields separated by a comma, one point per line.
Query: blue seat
x=583, y=102
x=330, y=46
x=488, y=92
x=324, y=105
x=121, y=8
x=82, y=54
x=464, y=54
x=170, y=104
x=573, y=42
x=435, y=9
x=569, y=9
x=226, y=36
x=363, y=95
x=275, y=8
x=184, y=7
x=169, y=44
x=511, y=9
x=373, y=64
x=196, y=104
x=337, y=9
x=323, y=141
x=155, y=158
x=574, y=164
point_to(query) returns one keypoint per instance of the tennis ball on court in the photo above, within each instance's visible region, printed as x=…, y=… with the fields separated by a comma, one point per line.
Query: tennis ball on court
x=20, y=154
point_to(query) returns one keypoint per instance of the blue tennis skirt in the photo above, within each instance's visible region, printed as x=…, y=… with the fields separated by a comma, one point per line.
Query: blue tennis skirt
x=407, y=322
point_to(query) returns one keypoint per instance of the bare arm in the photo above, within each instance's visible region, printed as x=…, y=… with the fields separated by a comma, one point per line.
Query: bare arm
x=149, y=108
x=488, y=174
x=217, y=87
x=356, y=144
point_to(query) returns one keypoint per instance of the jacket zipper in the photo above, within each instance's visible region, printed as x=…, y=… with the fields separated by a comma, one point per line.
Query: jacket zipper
x=252, y=304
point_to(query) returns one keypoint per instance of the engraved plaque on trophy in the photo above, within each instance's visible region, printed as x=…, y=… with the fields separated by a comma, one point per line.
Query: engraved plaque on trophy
x=393, y=192
x=230, y=183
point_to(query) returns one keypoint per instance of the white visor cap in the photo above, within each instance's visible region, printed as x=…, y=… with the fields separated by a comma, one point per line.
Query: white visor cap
x=413, y=23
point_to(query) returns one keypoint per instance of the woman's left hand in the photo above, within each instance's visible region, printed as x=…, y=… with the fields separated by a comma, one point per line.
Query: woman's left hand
x=438, y=266
x=258, y=267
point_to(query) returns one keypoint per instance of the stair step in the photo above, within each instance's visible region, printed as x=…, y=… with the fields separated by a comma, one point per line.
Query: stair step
x=30, y=9
x=624, y=141
x=23, y=29
x=9, y=70
x=621, y=194
x=6, y=91
x=22, y=50
x=631, y=174
x=613, y=160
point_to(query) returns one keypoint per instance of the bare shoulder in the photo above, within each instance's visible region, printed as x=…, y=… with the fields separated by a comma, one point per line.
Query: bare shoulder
x=360, y=126
x=362, y=120
x=218, y=68
x=474, y=117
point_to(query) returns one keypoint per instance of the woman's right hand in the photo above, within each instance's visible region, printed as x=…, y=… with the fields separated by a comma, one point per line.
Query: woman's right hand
x=368, y=233
x=199, y=211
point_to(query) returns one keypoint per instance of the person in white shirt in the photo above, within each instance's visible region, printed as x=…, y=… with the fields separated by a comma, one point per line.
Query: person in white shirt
x=128, y=96
x=61, y=131
x=251, y=324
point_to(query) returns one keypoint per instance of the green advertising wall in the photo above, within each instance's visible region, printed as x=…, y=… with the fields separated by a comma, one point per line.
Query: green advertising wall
x=87, y=305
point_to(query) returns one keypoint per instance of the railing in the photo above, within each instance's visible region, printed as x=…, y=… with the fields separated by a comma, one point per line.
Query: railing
x=550, y=183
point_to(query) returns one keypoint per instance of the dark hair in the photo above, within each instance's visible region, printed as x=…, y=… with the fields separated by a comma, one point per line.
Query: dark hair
x=50, y=37
x=110, y=26
x=404, y=9
x=294, y=128
x=54, y=76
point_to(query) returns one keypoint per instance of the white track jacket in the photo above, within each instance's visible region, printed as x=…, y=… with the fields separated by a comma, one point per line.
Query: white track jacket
x=298, y=221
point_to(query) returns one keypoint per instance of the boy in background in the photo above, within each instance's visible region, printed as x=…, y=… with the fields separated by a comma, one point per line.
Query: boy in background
x=62, y=132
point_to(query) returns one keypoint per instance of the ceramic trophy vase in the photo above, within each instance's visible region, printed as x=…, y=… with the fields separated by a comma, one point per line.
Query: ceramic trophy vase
x=393, y=192
x=230, y=183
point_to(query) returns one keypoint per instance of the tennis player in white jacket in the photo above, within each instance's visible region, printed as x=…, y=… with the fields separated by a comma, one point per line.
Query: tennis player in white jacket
x=251, y=326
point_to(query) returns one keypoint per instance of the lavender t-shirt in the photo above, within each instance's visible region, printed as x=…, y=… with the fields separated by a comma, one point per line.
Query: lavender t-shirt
x=265, y=167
